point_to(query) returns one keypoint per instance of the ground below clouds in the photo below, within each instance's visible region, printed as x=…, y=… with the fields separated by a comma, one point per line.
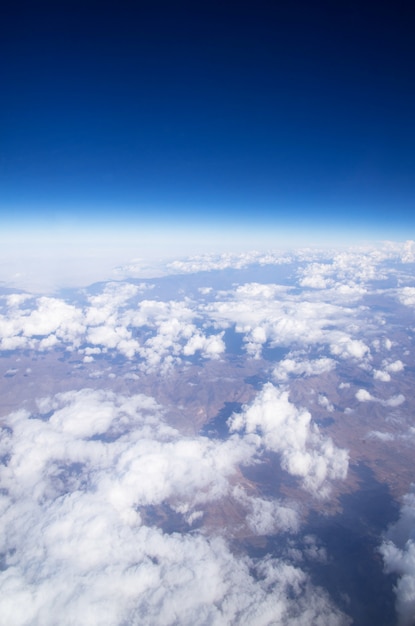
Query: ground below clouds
x=230, y=447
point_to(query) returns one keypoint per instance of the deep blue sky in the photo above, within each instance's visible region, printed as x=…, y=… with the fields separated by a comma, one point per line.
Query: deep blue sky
x=255, y=113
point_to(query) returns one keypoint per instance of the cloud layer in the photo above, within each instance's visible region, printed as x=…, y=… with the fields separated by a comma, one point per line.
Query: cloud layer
x=81, y=480
x=318, y=309
x=110, y=515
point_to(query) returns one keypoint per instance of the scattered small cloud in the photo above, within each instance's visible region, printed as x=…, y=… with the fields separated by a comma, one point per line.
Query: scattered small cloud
x=381, y=375
x=394, y=401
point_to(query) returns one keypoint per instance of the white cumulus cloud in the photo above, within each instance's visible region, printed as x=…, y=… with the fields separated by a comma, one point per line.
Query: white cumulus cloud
x=280, y=426
x=313, y=367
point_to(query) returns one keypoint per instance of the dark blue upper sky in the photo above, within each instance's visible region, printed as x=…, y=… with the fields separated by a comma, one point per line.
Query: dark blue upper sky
x=295, y=111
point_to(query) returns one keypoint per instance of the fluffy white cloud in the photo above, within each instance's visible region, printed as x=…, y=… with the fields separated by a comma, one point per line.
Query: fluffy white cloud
x=394, y=401
x=325, y=402
x=144, y=576
x=279, y=426
x=290, y=367
x=211, y=346
x=381, y=375
x=407, y=296
x=51, y=321
x=394, y=366
x=109, y=322
x=266, y=517
x=272, y=314
x=408, y=252
x=260, y=291
x=398, y=551
x=364, y=396
x=77, y=481
x=345, y=347
x=349, y=269
x=315, y=276
x=116, y=318
x=209, y=262
x=173, y=334
x=347, y=273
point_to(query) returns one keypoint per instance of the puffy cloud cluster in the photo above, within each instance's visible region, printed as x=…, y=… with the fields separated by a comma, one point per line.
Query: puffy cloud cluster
x=408, y=252
x=406, y=295
x=112, y=320
x=348, y=275
x=394, y=366
x=272, y=314
x=364, y=396
x=49, y=323
x=398, y=551
x=290, y=367
x=274, y=422
x=169, y=328
x=123, y=437
x=161, y=333
x=210, y=262
x=384, y=375
x=266, y=517
x=345, y=272
x=79, y=479
x=346, y=347
x=174, y=333
x=381, y=375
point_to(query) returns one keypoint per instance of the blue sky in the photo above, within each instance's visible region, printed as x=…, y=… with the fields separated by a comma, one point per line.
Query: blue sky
x=292, y=117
